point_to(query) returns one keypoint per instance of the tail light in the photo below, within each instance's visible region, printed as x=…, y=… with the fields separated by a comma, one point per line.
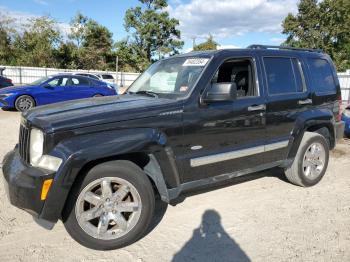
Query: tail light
x=8, y=80
x=340, y=101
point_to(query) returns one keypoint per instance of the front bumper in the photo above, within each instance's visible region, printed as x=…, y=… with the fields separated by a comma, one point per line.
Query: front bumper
x=23, y=184
x=339, y=130
x=3, y=103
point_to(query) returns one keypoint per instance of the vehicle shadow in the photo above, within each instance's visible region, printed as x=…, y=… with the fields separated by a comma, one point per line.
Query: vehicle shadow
x=9, y=110
x=210, y=242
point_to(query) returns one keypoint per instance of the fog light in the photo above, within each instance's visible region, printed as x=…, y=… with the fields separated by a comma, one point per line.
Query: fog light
x=49, y=162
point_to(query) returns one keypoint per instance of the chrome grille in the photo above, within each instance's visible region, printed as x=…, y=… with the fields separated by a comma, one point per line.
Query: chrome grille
x=24, y=141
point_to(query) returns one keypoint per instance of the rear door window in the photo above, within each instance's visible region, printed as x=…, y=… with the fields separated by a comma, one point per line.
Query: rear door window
x=283, y=75
x=79, y=81
x=321, y=74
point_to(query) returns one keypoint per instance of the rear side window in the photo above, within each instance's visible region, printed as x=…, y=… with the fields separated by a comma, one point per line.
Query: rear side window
x=79, y=81
x=322, y=75
x=283, y=75
x=107, y=77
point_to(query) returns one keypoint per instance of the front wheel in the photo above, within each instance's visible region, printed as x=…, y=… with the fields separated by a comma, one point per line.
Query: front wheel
x=24, y=103
x=111, y=207
x=311, y=161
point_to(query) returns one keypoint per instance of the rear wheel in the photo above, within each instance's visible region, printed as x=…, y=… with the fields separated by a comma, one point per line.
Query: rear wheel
x=24, y=103
x=112, y=207
x=311, y=161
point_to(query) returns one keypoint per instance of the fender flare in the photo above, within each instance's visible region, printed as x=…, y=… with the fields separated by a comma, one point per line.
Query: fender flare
x=79, y=151
x=305, y=121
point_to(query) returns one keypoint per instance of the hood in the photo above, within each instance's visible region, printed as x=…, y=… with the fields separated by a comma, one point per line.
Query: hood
x=14, y=89
x=96, y=111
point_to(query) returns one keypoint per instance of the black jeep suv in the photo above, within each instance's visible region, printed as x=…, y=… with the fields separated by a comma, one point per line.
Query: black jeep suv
x=188, y=122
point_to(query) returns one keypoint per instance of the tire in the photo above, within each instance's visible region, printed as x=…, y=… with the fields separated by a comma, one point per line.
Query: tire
x=308, y=168
x=98, y=95
x=123, y=176
x=24, y=103
x=159, y=212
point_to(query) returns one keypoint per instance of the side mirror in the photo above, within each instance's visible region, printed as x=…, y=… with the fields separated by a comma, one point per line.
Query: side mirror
x=48, y=87
x=220, y=92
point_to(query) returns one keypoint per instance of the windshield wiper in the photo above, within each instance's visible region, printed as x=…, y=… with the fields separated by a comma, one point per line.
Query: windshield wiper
x=148, y=93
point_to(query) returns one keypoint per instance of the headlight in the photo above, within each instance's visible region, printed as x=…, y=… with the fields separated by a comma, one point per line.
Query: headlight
x=36, y=146
x=37, y=159
x=6, y=95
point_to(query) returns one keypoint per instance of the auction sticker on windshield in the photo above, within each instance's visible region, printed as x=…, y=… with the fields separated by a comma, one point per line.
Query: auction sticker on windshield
x=196, y=62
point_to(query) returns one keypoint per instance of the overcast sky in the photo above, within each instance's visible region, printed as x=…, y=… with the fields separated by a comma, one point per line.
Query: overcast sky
x=233, y=23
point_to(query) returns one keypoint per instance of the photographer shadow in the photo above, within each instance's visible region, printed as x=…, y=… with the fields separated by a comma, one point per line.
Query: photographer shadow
x=210, y=242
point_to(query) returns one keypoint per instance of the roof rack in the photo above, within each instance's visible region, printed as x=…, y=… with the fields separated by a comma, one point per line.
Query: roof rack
x=284, y=48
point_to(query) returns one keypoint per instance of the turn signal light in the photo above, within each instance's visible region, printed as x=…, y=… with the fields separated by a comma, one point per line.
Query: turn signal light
x=45, y=189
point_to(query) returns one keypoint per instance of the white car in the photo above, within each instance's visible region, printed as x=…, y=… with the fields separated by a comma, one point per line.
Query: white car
x=108, y=78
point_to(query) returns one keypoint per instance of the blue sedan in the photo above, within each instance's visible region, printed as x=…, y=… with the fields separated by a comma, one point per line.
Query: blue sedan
x=346, y=119
x=53, y=89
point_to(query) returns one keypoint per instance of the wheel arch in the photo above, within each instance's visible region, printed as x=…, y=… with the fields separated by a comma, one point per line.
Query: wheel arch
x=321, y=122
x=147, y=162
x=19, y=95
x=143, y=147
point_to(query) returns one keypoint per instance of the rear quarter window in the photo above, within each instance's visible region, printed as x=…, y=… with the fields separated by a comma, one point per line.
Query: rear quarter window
x=321, y=74
x=283, y=75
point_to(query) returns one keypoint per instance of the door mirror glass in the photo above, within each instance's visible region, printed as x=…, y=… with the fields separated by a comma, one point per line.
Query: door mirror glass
x=220, y=92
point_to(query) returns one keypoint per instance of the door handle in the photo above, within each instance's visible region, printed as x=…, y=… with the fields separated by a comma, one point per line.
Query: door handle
x=305, y=102
x=257, y=108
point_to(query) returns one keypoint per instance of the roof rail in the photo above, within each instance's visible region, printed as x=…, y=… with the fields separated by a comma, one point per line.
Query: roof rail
x=284, y=48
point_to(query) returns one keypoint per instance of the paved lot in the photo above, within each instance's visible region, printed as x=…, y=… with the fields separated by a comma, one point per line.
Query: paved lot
x=263, y=219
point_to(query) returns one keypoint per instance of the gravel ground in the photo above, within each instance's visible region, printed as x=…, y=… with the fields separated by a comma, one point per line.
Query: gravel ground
x=262, y=219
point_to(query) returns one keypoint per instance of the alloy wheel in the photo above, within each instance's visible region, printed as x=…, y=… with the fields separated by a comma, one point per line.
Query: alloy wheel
x=108, y=208
x=314, y=160
x=25, y=104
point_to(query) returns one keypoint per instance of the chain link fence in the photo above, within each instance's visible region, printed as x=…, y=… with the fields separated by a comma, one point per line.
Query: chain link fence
x=24, y=75
x=344, y=80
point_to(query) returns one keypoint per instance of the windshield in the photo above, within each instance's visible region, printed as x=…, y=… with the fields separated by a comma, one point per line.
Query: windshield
x=39, y=81
x=170, y=78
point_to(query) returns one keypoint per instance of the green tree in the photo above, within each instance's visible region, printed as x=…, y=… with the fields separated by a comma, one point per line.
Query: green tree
x=6, y=38
x=36, y=46
x=209, y=44
x=67, y=55
x=94, y=44
x=153, y=33
x=131, y=58
x=321, y=24
x=77, y=28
